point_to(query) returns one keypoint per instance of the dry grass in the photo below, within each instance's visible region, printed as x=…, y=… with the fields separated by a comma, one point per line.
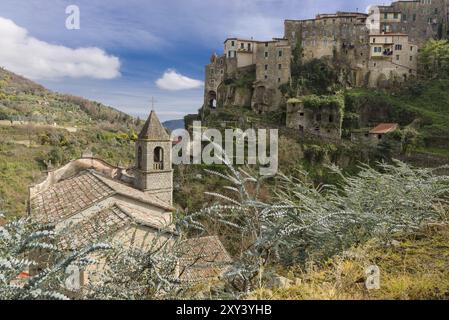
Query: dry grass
x=412, y=268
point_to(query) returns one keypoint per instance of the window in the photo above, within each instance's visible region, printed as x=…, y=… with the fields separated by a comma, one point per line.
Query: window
x=249, y=46
x=397, y=57
x=266, y=67
x=411, y=48
x=242, y=45
x=158, y=159
x=279, y=79
x=279, y=66
x=395, y=16
x=301, y=114
x=139, y=158
x=414, y=17
x=266, y=77
x=385, y=15
x=229, y=54
x=232, y=43
x=280, y=53
x=411, y=58
x=374, y=40
x=266, y=54
x=331, y=118
x=436, y=10
x=398, y=47
x=404, y=17
x=266, y=44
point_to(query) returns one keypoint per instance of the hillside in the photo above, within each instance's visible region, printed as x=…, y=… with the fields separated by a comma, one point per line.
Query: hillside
x=30, y=140
x=22, y=99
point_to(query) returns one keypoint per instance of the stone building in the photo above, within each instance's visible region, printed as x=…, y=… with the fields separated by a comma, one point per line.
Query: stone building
x=215, y=72
x=90, y=200
x=341, y=37
x=374, y=135
x=267, y=62
x=420, y=19
x=323, y=121
x=392, y=58
x=344, y=39
x=273, y=59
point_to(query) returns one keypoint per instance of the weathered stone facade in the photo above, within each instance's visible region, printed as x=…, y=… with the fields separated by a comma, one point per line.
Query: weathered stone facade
x=392, y=59
x=344, y=39
x=267, y=62
x=154, y=174
x=323, y=121
x=421, y=20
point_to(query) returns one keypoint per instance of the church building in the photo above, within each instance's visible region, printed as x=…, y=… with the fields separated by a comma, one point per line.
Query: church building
x=92, y=200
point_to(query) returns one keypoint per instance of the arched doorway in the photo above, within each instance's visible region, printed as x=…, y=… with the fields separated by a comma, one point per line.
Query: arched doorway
x=212, y=99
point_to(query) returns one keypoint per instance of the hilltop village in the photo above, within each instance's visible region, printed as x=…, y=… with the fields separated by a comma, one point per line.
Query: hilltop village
x=378, y=49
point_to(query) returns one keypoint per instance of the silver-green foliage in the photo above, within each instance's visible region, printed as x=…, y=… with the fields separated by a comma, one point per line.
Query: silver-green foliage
x=309, y=222
x=23, y=243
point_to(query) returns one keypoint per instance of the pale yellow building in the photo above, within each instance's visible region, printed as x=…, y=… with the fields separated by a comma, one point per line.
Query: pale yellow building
x=393, y=58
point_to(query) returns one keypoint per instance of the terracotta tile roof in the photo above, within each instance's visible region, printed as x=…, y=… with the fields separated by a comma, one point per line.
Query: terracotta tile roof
x=68, y=197
x=153, y=129
x=95, y=228
x=126, y=190
x=384, y=128
x=203, y=258
x=73, y=195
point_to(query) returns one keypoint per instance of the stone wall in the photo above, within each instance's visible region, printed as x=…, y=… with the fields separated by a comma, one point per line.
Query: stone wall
x=324, y=121
x=342, y=37
x=421, y=20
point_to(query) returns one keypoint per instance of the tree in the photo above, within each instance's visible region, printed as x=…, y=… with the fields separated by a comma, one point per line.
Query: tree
x=434, y=59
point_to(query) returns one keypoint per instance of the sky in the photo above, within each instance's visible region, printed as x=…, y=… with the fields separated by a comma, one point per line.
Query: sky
x=126, y=52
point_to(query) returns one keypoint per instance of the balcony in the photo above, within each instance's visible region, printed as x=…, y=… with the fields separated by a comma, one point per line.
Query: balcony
x=158, y=166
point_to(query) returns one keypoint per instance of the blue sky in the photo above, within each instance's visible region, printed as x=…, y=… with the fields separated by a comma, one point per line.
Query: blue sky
x=128, y=51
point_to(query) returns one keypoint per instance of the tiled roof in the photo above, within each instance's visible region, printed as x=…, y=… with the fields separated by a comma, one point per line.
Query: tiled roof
x=95, y=228
x=203, y=258
x=68, y=197
x=129, y=191
x=384, y=128
x=73, y=195
x=153, y=129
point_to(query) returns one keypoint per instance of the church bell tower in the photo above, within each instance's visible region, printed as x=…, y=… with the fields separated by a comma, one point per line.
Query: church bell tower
x=154, y=174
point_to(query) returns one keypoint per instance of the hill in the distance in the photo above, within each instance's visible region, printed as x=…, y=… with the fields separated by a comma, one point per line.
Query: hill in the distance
x=23, y=99
x=174, y=124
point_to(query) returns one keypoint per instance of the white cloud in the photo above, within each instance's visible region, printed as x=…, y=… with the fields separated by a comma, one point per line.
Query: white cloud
x=174, y=81
x=36, y=59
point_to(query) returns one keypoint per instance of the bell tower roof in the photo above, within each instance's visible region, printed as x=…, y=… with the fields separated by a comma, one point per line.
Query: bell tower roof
x=153, y=129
